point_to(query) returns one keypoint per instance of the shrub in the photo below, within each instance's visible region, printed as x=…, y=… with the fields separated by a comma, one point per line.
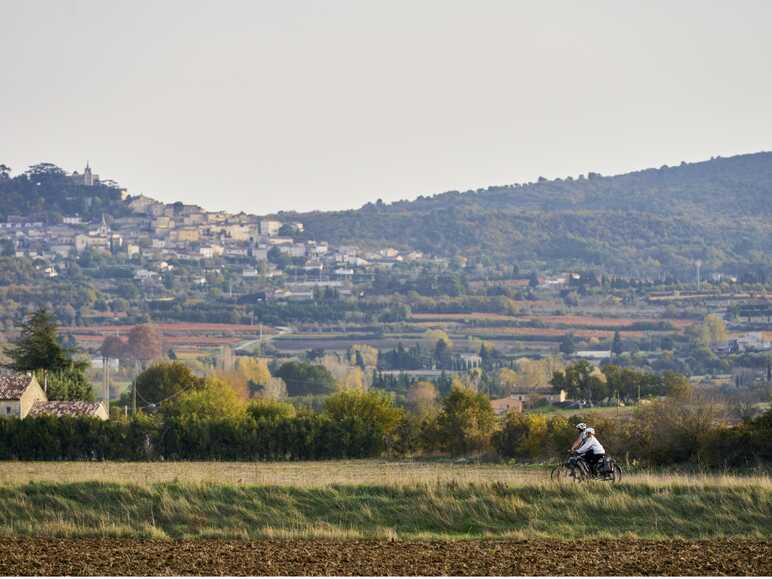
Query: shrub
x=362, y=421
x=466, y=421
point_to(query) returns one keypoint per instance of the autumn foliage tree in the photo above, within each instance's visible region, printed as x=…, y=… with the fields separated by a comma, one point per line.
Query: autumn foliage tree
x=422, y=397
x=144, y=344
x=112, y=348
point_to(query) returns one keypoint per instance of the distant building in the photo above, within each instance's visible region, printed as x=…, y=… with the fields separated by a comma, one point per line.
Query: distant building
x=142, y=204
x=21, y=395
x=97, y=243
x=519, y=400
x=502, y=406
x=88, y=178
x=18, y=394
x=593, y=354
x=472, y=360
x=69, y=408
x=750, y=342
x=294, y=250
x=210, y=251
x=144, y=275
x=269, y=227
x=186, y=234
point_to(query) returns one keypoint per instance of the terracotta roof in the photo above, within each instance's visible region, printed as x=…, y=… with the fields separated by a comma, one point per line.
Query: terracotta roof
x=13, y=385
x=64, y=408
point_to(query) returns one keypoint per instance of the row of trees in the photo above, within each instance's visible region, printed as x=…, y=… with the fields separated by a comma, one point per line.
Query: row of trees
x=583, y=381
x=210, y=422
x=664, y=433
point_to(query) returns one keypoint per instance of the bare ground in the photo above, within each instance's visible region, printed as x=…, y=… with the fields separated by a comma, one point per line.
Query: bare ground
x=42, y=556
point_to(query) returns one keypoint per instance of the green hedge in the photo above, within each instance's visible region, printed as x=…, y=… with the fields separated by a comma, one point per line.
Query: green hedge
x=302, y=437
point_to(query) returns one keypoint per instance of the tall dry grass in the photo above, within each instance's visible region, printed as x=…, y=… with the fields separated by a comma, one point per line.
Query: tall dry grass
x=300, y=474
x=313, y=474
x=427, y=510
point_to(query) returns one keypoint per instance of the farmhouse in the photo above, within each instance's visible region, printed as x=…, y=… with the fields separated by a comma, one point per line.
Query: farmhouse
x=22, y=396
x=18, y=394
x=69, y=408
x=518, y=401
x=503, y=405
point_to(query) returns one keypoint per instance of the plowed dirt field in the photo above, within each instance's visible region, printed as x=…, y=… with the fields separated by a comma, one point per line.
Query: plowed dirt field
x=317, y=557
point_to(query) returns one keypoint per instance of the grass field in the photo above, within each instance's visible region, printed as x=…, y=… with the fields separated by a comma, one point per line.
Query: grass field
x=294, y=474
x=369, y=500
x=609, y=411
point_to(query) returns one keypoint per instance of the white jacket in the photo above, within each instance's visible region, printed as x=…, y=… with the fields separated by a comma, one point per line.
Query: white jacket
x=591, y=444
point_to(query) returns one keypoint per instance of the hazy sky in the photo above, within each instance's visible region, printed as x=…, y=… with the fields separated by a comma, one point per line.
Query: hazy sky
x=262, y=106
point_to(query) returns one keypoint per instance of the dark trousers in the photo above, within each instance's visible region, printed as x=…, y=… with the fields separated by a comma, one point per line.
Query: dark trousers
x=593, y=460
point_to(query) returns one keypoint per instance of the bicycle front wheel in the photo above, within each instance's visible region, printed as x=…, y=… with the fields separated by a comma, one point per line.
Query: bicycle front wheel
x=564, y=473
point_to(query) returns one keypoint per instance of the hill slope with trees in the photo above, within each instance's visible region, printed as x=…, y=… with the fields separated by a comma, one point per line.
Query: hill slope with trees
x=47, y=193
x=719, y=211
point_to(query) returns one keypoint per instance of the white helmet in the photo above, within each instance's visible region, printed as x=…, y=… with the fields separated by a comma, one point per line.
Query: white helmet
x=589, y=430
x=581, y=426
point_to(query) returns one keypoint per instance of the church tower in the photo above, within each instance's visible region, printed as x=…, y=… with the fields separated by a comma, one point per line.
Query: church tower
x=88, y=177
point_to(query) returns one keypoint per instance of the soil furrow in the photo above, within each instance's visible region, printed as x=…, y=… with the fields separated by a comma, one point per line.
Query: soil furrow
x=41, y=556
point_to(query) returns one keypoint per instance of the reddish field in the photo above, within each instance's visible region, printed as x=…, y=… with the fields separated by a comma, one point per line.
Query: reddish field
x=174, y=334
x=168, y=339
x=592, y=321
x=550, y=320
x=368, y=558
x=171, y=327
x=460, y=317
x=494, y=331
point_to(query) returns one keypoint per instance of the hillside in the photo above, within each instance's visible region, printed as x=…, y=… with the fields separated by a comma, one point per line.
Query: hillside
x=719, y=211
x=645, y=222
x=46, y=193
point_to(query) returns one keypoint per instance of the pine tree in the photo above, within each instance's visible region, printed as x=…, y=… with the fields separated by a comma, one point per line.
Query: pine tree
x=37, y=347
x=38, y=350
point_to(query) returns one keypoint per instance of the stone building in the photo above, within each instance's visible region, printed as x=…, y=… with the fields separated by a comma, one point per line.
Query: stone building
x=21, y=395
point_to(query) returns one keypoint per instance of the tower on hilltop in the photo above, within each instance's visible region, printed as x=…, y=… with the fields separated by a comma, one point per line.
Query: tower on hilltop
x=88, y=176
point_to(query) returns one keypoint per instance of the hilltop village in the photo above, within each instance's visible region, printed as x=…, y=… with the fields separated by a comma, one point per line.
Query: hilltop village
x=153, y=235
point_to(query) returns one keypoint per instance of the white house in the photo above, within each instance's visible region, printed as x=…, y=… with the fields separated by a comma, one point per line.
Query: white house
x=269, y=227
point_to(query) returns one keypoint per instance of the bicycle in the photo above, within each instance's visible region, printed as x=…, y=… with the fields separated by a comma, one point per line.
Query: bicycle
x=577, y=469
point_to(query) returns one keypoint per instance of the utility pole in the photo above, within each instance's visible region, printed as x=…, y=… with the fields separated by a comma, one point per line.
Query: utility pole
x=134, y=397
x=698, y=263
x=106, y=384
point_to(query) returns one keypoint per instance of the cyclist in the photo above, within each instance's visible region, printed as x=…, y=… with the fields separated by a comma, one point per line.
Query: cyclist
x=590, y=448
x=581, y=427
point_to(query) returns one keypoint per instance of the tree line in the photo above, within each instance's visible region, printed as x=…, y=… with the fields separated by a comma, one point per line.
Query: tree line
x=357, y=424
